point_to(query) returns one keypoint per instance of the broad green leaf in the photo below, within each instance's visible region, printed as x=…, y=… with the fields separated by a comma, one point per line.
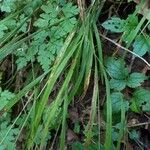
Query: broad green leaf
x=117, y=84
x=116, y=68
x=140, y=46
x=134, y=107
x=140, y=100
x=117, y=99
x=146, y=107
x=114, y=25
x=135, y=79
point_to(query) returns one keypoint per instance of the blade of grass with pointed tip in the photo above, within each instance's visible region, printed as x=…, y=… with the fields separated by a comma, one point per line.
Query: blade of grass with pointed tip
x=59, y=99
x=64, y=125
x=56, y=71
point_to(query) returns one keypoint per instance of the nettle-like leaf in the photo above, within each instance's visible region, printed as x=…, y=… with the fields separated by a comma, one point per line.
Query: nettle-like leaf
x=9, y=141
x=117, y=101
x=135, y=79
x=116, y=68
x=140, y=100
x=120, y=77
x=117, y=84
x=140, y=45
x=5, y=97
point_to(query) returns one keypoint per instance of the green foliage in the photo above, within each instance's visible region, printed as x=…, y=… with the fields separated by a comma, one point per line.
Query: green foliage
x=140, y=101
x=116, y=68
x=2, y=30
x=117, y=99
x=115, y=24
x=118, y=25
x=140, y=45
x=77, y=146
x=135, y=79
x=7, y=5
x=47, y=43
x=9, y=139
x=120, y=76
x=5, y=97
x=134, y=135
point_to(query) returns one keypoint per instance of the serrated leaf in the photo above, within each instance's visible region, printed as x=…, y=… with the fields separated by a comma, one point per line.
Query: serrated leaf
x=69, y=10
x=115, y=24
x=117, y=99
x=140, y=98
x=134, y=135
x=2, y=30
x=146, y=107
x=116, y=68
x=5, y=97
x=117, y=84
x=134, y=107
x=140, y=46
x=135, y=79
x=9, y=141
x=45, y=57
x=41, y=23
x=7, y=6
x=21, y=62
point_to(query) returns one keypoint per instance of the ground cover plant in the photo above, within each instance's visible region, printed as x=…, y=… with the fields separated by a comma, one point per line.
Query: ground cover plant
x=74, y=74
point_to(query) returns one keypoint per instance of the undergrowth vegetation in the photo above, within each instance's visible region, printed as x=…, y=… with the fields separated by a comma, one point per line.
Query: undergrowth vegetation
x=74, y=75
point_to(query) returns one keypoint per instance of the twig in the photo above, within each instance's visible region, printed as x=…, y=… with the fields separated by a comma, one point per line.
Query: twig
x=139, y=124
x=125, y=49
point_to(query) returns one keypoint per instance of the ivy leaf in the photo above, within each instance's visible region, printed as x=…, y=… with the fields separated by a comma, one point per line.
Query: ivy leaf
x=117, y=84
x=115, y=24
x=135, y=79
x=140, y=46
x=117, y=99
x=116, y=68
